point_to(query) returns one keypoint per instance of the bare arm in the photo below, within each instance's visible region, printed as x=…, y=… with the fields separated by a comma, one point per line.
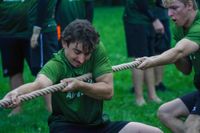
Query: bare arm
x=40, y=82
x=102, y=89
x=182, y=49
x=184, y=65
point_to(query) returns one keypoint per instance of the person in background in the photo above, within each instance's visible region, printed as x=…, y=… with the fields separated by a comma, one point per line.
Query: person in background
x=185, y=55
x=140, y=26
x=44, y=41
x=14, y=42
x=78, y=108
x=20, y=21
x=69, y=10
x=162, y=42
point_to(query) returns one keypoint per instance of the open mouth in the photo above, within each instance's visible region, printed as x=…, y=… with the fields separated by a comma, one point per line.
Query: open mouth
x=175, y=21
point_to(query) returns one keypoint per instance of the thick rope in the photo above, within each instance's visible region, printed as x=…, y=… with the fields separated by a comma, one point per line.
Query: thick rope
x=60, y=86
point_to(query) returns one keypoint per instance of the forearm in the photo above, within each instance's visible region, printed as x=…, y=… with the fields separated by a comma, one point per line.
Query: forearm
x=40, y=82
x=27, y=88
x=99, y=90
x=168, y=57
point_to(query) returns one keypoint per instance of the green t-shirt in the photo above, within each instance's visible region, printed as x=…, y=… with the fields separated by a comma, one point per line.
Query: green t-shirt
x=193, y=34
x=76, y=107
x=49, y=23
x=69, y=10
x=13, y=18
x=133, y=15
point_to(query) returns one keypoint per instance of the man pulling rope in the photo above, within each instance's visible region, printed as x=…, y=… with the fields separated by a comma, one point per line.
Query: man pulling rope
x=82, y=53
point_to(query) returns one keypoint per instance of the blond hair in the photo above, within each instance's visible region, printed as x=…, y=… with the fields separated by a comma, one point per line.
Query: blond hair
x=167, y=3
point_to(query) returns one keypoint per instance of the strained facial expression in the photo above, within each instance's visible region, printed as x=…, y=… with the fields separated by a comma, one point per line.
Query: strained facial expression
x=177, y=11
x=75, y=53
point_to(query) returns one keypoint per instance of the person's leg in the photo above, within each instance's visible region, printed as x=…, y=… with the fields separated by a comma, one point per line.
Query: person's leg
x=149, y=75
x=13, y=60
x=47, y=99
x=150, y=82
x=138, y=79
x=135, y=127
x=158, y=74
x=192, y=124
x=170, y=113
x=136, y=42
x=162, y=44
x=16, y=81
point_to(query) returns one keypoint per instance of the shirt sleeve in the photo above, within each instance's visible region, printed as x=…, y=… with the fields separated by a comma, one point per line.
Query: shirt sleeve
x=101, y=63
x=194, y=34
x=54, y=70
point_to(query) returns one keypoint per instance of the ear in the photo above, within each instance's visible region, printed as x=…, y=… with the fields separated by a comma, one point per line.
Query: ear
x=64, y=44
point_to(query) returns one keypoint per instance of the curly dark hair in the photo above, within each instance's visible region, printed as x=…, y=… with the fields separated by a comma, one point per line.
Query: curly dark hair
x=81, y=31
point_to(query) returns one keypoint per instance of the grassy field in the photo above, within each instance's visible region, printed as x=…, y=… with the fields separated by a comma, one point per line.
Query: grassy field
x=108, y=21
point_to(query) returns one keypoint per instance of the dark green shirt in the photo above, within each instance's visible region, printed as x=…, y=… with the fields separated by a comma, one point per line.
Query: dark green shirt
x=76, y=107
x=13, y=18
x=17, y=17
x=49, y=23
x=69, y=10
x=193, y=34
x=134, y=15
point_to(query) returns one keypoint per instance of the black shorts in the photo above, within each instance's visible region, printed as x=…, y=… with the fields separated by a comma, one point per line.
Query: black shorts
x=163, y=42
x=192, y=102
x=110, y=127
x=139, y=39
x=48, y=44
x=13, y=53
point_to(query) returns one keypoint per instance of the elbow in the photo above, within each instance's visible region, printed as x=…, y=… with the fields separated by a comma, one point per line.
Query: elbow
x=110, y=94
x=179, y=53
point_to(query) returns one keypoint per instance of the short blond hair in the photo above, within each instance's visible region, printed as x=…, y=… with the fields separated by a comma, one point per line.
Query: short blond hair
x=167, y=3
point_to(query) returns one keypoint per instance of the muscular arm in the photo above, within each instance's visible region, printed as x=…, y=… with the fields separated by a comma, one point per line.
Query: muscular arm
x=102, y=89
x=40, y=82
x=182, y=49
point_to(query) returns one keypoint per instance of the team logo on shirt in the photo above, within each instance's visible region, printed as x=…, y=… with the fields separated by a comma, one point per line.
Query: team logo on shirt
x=72, y=95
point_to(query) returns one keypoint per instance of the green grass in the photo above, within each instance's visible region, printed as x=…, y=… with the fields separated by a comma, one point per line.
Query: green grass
x=108, y=21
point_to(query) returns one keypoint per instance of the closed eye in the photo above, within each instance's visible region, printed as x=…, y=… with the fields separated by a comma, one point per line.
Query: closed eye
x=76, y=51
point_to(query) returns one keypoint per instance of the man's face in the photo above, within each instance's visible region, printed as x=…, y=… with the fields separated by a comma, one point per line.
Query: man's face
x=76, y=54
x=178, y=12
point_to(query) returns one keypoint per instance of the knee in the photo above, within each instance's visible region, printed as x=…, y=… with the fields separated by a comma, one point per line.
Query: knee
x=163, y=113
x=157, y=130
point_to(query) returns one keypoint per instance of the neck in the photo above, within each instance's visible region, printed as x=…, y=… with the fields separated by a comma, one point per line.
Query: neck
x=190, y=19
